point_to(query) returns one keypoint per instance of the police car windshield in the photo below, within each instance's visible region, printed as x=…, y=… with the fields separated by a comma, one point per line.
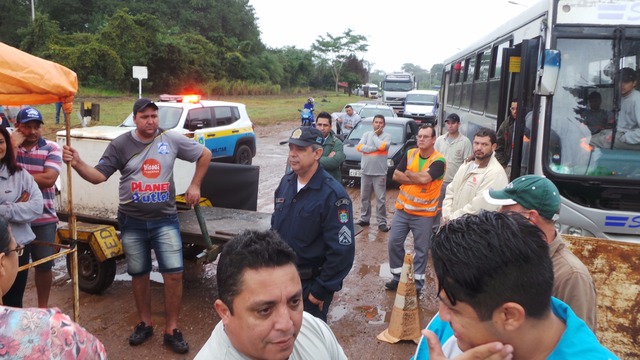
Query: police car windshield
x=169, y=118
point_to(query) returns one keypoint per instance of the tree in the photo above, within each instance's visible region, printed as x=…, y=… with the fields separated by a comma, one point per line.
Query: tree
x=333, y=51
x=354, y=74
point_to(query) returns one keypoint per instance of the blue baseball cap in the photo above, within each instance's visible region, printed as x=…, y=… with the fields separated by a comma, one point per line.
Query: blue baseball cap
x=29, y=114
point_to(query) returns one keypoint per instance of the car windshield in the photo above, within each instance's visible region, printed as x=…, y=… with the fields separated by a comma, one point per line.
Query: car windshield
x=373, y=111
x=169, y=117
x=420, y=99
x=396, y=131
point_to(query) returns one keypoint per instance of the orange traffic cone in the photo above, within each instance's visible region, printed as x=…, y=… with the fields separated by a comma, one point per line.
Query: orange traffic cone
x=405, y=320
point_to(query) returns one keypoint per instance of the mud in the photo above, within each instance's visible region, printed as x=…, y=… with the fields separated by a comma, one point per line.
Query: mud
x=358, y=313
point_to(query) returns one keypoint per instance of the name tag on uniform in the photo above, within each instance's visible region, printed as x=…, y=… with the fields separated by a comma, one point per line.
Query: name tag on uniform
x=279, y=200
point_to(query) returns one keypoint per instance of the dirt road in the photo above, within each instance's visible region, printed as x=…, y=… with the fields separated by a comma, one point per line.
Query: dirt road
x=358, y=313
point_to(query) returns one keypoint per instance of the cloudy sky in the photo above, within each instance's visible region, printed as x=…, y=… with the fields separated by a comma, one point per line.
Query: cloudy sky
x=421, y=32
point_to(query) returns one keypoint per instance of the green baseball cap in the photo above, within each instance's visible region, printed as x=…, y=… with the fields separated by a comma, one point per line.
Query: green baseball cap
x=529, y=191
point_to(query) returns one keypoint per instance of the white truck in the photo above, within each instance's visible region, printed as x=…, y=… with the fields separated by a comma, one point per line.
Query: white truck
x=395, y=87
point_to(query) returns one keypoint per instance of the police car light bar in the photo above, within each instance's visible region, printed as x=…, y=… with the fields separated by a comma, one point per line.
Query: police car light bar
x=180, y=98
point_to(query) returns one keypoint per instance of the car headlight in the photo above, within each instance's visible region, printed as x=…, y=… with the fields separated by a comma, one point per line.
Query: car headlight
x=408, y=113
x=390, y=162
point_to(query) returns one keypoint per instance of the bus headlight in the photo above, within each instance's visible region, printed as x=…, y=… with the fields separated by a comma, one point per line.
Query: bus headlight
x=390, y=162
x=575, y=231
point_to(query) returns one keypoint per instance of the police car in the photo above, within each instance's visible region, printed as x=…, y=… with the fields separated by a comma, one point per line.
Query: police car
x=223, y=127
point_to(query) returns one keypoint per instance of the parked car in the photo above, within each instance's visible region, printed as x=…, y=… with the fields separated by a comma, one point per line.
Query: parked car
x=223, y=127
x=422, y=106
x=403, y=137
x=370, y=110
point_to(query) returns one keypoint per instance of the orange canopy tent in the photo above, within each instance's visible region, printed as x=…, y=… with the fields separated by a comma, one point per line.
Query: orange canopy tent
x=28, y=79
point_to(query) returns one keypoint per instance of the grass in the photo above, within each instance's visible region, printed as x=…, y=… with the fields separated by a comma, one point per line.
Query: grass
x=263, y=110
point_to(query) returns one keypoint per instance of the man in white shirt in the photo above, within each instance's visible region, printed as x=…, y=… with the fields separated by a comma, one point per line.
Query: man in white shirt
x=260, y=304
x=456, y=148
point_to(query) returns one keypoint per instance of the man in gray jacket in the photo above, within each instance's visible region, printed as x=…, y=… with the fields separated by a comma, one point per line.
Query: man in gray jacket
x=374, y=147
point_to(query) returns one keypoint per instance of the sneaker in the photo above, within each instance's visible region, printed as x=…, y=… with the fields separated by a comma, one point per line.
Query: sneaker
x=362, y=223
x=383, y=227
x=392, y=285
x=176, y=342
x=140, y=334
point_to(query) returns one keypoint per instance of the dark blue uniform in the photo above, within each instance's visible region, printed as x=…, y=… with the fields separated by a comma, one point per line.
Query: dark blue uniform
x=317, y=223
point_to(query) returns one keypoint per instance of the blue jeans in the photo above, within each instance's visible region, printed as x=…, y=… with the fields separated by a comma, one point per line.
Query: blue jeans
x=58, y=109
x=139, y=236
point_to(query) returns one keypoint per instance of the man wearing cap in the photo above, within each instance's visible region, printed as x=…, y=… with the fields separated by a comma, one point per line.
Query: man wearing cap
x=456, y=148
x=465, y=193
x=313, y=214
x=627, y=131
x=538, y=199
x=147, y=214
x=374, y=147
x=43, y=160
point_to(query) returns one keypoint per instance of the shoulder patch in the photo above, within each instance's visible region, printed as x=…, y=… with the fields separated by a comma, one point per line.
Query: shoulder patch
x=344, y=236
x=343, y=201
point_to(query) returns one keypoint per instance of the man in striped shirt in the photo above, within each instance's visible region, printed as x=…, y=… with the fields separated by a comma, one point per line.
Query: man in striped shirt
x=43, y=160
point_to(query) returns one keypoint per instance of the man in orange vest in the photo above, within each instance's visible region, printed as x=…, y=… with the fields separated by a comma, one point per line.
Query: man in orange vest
x=420, y=173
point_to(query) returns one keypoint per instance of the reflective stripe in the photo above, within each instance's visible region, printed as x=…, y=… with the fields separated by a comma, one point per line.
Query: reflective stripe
x=419, y=276
x=396, y=270
x=417, y=199
x=416, y=208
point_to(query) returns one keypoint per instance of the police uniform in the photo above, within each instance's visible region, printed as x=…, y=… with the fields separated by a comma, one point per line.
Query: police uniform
x=317, y=222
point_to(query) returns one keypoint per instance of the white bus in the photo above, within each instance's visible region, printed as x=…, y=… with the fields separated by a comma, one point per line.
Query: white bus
x=553, y=58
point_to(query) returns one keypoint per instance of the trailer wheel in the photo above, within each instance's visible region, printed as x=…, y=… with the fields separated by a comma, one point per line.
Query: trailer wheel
x=243, y=155
x=93, y=276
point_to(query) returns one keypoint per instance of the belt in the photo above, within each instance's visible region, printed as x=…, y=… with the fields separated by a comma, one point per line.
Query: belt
x=308, y=273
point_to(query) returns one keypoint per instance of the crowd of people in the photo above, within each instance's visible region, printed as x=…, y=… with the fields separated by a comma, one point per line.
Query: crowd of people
x=518, y=292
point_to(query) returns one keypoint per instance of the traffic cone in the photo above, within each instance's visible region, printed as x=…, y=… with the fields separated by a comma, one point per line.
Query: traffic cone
x=405, y=320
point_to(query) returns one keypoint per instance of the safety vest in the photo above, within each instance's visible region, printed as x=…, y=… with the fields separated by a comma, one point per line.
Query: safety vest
x=420, y=199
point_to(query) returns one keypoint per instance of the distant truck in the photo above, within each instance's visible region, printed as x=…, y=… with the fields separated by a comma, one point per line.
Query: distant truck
x=422, y=106
x=395, y=87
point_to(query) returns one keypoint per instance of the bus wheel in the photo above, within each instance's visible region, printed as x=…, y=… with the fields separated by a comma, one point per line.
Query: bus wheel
x=93, y=276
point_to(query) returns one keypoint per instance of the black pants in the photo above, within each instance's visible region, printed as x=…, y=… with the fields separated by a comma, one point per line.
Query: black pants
x=312, y=308
x=14, y=296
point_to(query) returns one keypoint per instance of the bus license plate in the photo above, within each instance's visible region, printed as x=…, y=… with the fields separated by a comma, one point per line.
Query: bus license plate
x=355, y=172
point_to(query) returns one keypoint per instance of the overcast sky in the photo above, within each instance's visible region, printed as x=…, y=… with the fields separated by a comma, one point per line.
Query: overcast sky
x=421, y=32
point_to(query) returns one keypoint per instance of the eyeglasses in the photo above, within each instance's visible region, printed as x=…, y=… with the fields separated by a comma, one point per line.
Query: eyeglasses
x=19, y=250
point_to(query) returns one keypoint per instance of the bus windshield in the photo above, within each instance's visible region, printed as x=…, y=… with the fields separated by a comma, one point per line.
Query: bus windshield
x=595, y=118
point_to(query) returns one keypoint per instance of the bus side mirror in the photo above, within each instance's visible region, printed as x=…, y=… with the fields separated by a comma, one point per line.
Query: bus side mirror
x=548, y=73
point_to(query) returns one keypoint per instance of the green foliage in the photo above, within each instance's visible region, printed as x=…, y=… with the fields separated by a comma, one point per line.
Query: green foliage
x=334, y=51
x=39, y=35
x=94, y=63
x=186, y=44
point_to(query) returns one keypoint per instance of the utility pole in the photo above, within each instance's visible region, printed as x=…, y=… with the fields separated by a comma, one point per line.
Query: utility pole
x=33, y=11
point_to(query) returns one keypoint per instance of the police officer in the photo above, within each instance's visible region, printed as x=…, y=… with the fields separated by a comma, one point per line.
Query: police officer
x=313, y=214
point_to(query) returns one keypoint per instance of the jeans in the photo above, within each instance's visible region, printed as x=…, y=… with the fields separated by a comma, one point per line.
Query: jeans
x=378, y=185
x=140, y=236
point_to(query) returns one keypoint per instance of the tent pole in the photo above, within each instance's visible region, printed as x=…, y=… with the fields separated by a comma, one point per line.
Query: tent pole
x=72, y=226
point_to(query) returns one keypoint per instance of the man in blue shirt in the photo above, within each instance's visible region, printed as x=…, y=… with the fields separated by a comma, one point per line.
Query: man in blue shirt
x=313, y=214
x=495, y=279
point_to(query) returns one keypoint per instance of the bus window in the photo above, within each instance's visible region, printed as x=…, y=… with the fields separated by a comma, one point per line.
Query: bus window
x=480, y=87
x=584, y=110
x=468, y=82
x=494, y=79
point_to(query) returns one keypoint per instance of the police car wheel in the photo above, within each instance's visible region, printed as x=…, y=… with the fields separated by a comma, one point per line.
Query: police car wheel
x=243, y=155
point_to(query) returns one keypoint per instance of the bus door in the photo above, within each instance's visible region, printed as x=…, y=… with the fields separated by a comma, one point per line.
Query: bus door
x=519, y=68
x=444, y=93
